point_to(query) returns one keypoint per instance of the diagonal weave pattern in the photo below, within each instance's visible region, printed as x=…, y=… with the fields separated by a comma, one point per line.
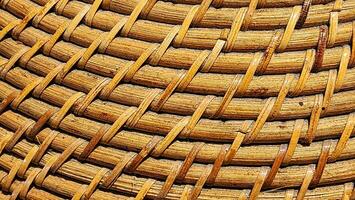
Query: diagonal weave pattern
x=177, y=99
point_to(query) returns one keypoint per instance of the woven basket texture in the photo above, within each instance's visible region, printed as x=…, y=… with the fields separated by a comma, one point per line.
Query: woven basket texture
x=177, y=99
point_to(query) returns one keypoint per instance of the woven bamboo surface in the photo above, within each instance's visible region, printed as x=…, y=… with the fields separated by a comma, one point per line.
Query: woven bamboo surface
x=177, y=99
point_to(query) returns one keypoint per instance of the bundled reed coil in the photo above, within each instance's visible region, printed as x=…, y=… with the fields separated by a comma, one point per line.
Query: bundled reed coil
x=177, y=99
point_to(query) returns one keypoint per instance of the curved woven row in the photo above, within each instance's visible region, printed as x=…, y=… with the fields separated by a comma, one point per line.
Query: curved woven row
x=12, y=120
x=216, y=130
x=270, y=65
x=53, y=183
x=33, y=193
x=241, y=3
x=223, y=17
x=197, y=99
x=299, y=105
x=193, y=38
x=70, y=169
x=178, y=150
x=265, y=89
x=322, y=123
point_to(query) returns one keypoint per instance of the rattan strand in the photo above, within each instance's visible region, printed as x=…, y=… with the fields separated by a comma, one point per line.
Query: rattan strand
x=310, y=99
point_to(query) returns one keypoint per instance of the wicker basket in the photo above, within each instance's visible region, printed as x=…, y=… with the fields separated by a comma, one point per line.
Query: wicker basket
x=177, y=99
